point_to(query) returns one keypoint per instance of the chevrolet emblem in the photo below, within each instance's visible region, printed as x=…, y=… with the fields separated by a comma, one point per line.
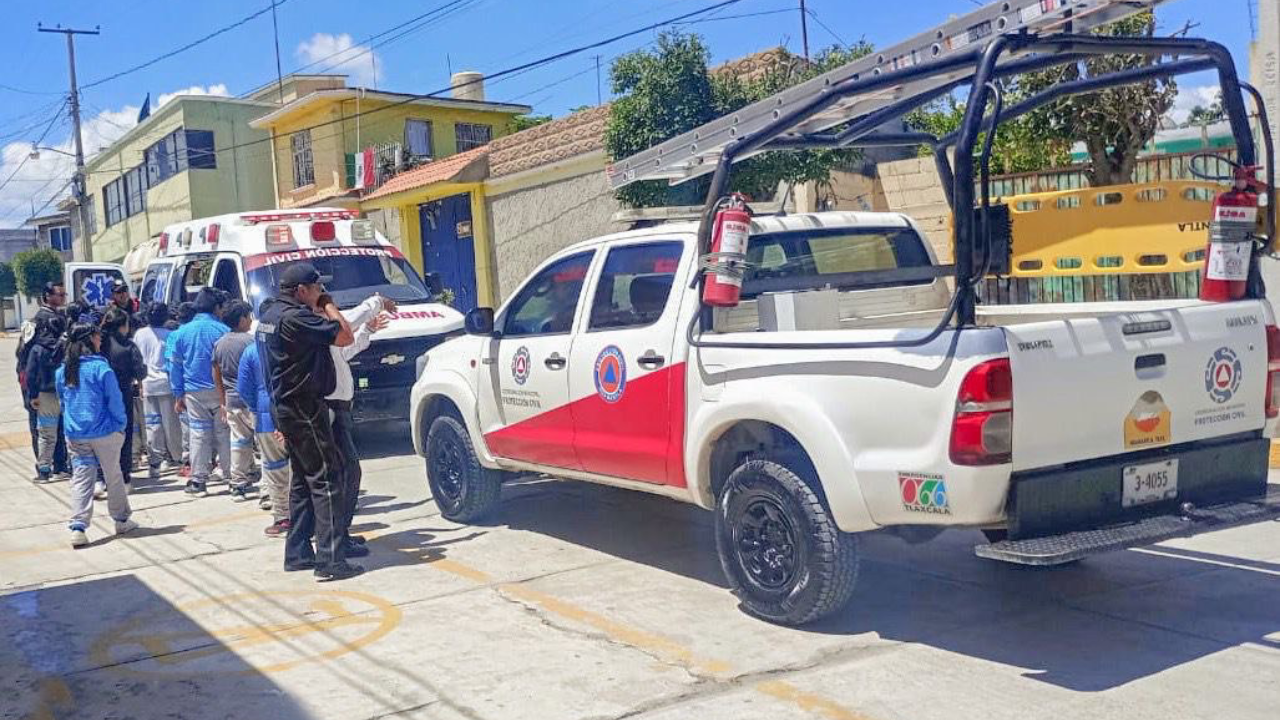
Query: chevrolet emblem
x=392, y=359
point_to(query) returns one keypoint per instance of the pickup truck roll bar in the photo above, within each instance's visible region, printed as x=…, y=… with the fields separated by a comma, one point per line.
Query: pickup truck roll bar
x=1194, y=55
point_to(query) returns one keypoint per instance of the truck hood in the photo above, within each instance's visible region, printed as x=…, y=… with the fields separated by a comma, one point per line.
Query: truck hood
x=421, y=320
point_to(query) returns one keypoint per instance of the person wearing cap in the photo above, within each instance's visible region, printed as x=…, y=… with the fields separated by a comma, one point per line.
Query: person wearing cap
x=296, y=330
x=194, y=392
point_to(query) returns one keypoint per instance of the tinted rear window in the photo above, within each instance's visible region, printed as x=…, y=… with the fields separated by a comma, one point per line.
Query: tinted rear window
x=815, y=253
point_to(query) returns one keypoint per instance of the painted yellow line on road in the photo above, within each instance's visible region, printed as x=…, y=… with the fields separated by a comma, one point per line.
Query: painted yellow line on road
x=650, y=642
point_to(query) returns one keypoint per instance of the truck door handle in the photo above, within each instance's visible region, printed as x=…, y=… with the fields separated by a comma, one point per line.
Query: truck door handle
x=555, y=362
x=651, y=360
x=1147, y=362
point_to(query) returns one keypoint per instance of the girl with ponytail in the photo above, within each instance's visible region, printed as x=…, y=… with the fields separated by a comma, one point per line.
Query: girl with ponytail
x=95, y=423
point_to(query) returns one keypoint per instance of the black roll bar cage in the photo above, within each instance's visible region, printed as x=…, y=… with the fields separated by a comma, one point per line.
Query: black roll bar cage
x=1192, y=55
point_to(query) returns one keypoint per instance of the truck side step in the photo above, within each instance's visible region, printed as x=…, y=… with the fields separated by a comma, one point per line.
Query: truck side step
x=1071, y=546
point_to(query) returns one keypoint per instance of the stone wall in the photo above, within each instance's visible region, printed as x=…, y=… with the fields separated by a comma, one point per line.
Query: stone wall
x=530, y=224
x=912, y=187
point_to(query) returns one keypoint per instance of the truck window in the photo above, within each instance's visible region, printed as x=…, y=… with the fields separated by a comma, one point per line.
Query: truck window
x=548, y=303
x=195, y=275
x=227, y=277
x=154, y=283
x=93, y=285
x=814, y=253
x=634, y=285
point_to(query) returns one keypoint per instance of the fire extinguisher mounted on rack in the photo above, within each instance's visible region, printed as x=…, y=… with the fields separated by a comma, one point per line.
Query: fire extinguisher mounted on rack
x=726, y=262
x=1232, y=237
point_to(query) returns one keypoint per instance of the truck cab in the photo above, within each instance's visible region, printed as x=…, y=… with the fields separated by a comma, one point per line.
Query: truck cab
x=244, y=254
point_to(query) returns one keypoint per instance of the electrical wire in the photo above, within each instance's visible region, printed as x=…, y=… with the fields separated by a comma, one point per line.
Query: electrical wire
x=823, y=25
x=21, y=91
x=199, y=41
x=739, y=17
x=26, y=158
x=367, y=45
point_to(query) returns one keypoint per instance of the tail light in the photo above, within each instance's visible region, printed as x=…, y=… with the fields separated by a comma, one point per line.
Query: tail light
x=164, y=243
x=279, y=236
x=323, y=231
x=1273, y=369
x=982, y=432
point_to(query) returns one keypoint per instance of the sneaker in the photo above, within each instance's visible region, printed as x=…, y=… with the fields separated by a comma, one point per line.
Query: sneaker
x=196, y=489
x=264, y=502
x=169, y=466
x=240, y=493
x=300, y=565
x=100, y=492
x=79, y=539
x=357, y=539
x=277, y=529
x=153, y=472
x=43, y=476
x=340, y=571
x=63, y=476
x=354, y=550
x=126, y=526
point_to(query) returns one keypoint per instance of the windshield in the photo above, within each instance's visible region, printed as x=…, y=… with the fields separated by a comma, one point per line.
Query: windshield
x=354, y=279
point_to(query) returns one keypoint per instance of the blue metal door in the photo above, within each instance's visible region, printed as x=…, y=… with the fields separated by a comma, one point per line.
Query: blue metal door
x=448, y=247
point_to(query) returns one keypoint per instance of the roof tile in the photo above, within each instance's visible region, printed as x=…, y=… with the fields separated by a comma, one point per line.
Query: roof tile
x=442, y=170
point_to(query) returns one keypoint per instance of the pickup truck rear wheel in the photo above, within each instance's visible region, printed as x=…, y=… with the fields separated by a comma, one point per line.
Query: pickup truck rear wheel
x=463, y=489
x=783, y=555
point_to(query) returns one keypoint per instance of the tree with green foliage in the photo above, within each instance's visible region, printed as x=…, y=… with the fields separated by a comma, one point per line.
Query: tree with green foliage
x=1114, y=124
x=669, y=90
x=524, y=122
x=34, y=268
x=1201, y=115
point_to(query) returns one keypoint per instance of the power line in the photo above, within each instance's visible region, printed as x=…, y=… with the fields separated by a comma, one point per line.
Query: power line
x=830, y=32
x=718, y=18
x=21, y=91
x=141, y=66
x=446, y=11
x=372, y=38
x=39, y=140
x=36, y=124
x=414, y=97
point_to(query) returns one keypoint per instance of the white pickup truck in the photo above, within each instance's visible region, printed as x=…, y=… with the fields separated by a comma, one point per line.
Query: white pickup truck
x=1060, y=432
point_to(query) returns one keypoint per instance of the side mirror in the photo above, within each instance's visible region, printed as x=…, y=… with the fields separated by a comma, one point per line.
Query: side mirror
x=434, y=284
x=479, y=321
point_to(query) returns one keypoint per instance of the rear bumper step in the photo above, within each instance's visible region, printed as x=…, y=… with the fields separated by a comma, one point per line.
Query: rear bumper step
x=1071, y=546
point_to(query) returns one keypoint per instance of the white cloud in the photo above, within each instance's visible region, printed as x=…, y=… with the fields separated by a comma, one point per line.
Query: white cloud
x=40, y=178
x=340, y=54
x=1190, y=96
x=219, y=90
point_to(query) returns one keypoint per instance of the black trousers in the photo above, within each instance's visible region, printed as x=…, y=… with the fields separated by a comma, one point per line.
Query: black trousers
x=349, y=457
x=126, y=450
x=316, y=498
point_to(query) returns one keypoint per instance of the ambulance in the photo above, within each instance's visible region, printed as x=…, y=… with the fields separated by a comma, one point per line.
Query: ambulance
x=246, y=253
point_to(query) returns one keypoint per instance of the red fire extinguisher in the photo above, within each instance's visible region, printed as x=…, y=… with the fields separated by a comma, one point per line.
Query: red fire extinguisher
x=1231, y=234
x=725, y=263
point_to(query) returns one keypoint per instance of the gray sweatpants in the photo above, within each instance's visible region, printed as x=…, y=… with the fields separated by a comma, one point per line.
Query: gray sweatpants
x=209, y=432
x=164, y=431
x=87, y=458
x=241, y=421
x=275, y=474
x=47, y=429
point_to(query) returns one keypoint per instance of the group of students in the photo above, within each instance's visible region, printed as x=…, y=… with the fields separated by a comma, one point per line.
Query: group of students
x=206, y=389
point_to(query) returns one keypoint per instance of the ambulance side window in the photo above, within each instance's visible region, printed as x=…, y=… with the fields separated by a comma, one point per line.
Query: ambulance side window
x=548, y=303
x=227, y=277
x=194, y=276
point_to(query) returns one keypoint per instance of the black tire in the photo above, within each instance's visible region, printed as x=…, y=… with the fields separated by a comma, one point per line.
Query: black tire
x=805, y=568
x=995, y=535
x=463, y=489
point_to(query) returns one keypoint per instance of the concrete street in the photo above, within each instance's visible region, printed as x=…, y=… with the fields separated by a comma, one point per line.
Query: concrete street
x=588, y=602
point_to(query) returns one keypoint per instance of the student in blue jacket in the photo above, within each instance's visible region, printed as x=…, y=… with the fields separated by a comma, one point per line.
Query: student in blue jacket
x=251, y=383
x=94, y=418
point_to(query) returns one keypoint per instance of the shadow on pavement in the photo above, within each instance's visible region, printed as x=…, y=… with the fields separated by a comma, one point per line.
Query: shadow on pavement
x=113, y=648
x=1092, y=626
x=415, y=547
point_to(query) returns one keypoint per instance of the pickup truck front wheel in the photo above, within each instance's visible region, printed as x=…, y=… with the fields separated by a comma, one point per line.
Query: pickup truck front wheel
x=783, y=555
x=463, y=489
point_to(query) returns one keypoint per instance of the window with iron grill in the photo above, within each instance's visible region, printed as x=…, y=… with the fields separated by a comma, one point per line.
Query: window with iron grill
x=471, y=135
x=304, y=170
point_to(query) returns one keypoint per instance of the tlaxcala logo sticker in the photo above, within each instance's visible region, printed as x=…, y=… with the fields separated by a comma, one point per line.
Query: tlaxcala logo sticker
x=924, y=493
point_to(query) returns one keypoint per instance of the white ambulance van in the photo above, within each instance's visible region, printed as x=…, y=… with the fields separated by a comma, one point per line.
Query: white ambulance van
x=245, y=254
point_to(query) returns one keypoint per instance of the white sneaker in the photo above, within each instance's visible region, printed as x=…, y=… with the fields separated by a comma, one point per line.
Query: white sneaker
x=100, y=493
x=79, y=539
x=126, y=526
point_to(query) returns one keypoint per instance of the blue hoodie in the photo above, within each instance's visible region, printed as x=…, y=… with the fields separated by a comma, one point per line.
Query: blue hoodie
x=191, y=368
x=252, y=384
x=94, y=408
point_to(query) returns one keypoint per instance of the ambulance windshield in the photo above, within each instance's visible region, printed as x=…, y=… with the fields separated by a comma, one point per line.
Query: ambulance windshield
x=354, y=279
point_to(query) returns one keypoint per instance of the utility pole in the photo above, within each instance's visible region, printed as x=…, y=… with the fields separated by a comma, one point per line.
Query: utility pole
x=78, y=184
x=804, y=29
x=599, y=97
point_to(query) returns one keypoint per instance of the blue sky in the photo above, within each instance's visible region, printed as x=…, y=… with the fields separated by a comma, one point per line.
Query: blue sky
x=484, y=35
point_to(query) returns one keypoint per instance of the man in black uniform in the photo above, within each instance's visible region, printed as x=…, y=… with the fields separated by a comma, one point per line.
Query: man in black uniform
x=295, y=332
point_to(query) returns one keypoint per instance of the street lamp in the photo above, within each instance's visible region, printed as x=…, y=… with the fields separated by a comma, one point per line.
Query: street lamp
x=35, y=152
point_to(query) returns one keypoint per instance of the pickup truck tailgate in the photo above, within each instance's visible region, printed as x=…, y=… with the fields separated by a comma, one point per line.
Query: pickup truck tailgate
x=1098, y=387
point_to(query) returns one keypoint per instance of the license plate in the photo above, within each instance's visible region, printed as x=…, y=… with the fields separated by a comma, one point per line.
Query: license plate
x=1150, y=483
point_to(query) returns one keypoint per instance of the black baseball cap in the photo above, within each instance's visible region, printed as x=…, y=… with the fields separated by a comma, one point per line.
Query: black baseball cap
x=118, y=286
x=301, y=274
